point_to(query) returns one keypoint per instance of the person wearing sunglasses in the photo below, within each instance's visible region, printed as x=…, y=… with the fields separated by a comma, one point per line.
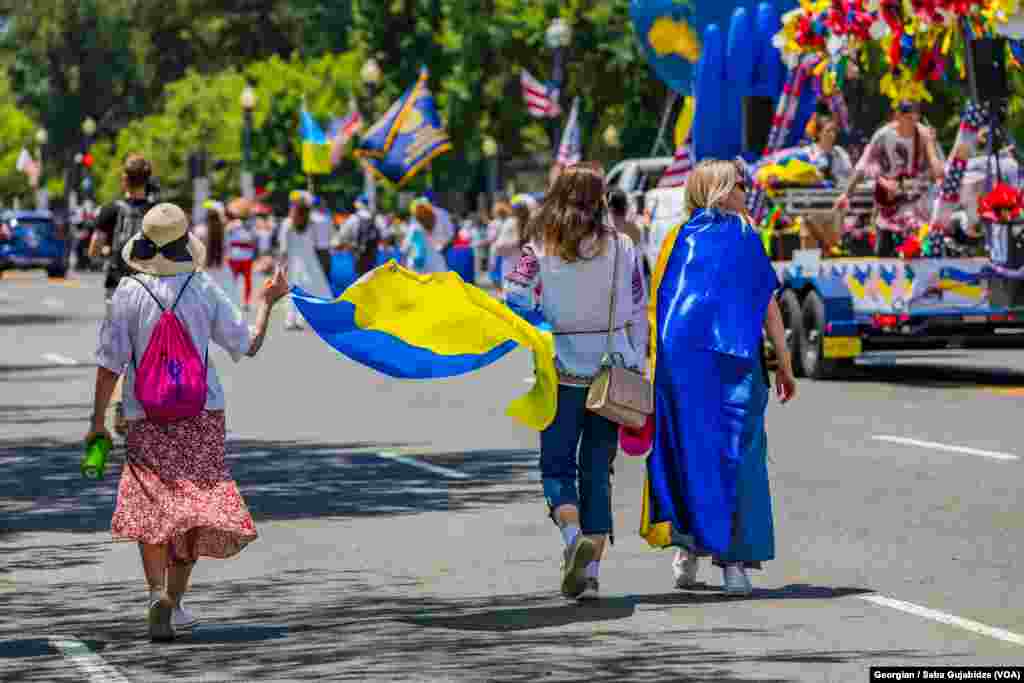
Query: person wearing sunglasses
x=707, y=490
x=901, y=151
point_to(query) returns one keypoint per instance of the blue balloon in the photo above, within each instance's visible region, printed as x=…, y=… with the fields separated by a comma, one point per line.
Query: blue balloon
x=670, y=57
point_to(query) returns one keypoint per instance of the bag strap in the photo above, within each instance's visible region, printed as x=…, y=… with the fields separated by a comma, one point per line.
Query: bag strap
x=182, y=290
x=614, y=296
x=149, y=291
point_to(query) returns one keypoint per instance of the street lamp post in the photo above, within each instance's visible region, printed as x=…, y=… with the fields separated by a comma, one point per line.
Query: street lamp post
x=247, y=100
x=558, y=37
x=371, y=74
x=42, y=197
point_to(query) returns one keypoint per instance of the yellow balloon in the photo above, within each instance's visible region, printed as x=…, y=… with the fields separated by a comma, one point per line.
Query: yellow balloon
x=685, y=121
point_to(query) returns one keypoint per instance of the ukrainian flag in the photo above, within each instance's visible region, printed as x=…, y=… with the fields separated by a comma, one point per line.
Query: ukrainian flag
x=316, y=149
x=413, y=326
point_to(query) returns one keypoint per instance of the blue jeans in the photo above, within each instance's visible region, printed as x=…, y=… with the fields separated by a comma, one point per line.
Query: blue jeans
x=596, y=440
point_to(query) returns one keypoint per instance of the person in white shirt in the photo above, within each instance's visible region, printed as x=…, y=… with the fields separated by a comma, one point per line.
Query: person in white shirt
x=176, y=496
x=241, y=246
x=565, y=275
x=836, y=168
x=298, y=248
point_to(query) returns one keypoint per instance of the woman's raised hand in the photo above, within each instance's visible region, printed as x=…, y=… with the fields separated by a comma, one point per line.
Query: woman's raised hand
x=277, y=286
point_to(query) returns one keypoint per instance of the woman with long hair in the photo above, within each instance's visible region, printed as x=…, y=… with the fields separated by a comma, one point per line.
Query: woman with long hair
x=214, y=237
x=565, y=274
x=707, y=480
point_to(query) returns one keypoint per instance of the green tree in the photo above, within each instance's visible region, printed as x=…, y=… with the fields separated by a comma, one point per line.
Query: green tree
x=17, y=132
x=202, y=112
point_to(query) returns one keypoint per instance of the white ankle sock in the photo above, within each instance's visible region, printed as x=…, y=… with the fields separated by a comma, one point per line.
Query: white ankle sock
x=593, y=567
x=570, y=532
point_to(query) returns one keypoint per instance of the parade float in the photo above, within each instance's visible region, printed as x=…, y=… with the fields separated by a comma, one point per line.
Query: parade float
x=932, y=293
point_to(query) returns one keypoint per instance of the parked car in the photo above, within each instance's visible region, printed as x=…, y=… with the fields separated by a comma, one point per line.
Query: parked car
x=637, y=176
x=33, y=239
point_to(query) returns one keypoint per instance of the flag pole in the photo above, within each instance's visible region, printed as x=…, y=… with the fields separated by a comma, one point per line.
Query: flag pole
x=670, y=104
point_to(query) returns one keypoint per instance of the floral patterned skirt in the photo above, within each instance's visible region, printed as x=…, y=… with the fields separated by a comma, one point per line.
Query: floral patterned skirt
x=176, y=488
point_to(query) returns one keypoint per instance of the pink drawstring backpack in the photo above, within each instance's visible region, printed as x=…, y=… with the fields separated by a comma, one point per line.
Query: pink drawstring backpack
x=170, y=382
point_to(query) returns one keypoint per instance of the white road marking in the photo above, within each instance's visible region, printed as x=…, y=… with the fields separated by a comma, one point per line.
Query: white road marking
x=50, y=302
x=59, y=359
x=946, y=447
x=413, y=462
x=943, y=618
x=88, y=662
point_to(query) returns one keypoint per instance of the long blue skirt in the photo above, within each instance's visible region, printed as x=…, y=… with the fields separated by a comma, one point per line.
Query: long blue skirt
x=707, y=471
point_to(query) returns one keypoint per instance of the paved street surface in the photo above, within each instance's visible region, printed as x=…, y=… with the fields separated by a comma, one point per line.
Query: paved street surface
x=403, y=534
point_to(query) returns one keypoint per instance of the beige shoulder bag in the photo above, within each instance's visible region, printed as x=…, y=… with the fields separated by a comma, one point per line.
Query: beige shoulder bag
x=618, y=393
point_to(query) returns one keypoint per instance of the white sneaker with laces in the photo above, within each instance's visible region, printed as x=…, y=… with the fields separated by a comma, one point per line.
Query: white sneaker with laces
x=183, y=617
x=684, y=568
x=735, y=580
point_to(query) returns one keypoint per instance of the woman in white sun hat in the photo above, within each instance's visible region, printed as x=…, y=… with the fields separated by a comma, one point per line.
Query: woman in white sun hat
x=176, y=496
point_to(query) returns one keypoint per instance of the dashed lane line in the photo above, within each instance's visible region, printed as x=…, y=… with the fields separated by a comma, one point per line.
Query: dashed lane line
x=59, y=359
x=943, y=618
x=995, y=455
x=414, y=462
x=95, y=668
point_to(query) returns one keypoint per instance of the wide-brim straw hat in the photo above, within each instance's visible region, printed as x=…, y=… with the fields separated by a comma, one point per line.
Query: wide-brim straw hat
x=165, y=245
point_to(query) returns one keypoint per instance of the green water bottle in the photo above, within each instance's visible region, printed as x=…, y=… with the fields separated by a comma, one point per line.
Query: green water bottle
x=94, y=464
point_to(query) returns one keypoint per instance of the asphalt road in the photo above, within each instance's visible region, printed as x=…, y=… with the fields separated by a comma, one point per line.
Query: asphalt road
x=403, y=534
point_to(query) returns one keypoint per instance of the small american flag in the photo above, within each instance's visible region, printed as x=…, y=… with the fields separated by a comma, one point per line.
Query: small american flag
x=541, y=100
x=571, y=150
x=682, y=164
x=342, y=131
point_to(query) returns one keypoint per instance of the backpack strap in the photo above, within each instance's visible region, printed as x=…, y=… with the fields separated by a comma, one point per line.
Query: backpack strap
x=182, y=290
x=150, y=292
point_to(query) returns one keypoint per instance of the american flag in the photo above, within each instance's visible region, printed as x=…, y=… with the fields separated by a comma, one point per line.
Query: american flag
x=541, y=100
x=571, y=150
x=342, y=130
x=682, y=164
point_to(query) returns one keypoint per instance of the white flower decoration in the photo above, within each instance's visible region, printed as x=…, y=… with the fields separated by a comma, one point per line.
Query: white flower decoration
x=878, y=30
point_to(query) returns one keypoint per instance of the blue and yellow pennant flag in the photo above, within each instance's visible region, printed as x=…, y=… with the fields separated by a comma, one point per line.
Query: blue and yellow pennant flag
x=316, y=149
x=408, y=138
x=414, y=326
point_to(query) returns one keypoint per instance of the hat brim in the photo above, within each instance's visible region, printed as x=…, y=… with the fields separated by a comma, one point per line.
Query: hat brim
x=160, y=266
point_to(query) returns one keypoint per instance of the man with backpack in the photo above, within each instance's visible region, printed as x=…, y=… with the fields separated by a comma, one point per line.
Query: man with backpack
x=116, y=224
x=361, y=236
x=120, y=221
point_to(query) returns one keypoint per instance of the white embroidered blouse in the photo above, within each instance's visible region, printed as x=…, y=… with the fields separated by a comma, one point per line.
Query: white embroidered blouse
x=574, y=299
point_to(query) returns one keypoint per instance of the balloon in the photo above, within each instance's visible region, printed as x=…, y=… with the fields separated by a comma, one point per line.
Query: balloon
x=670, y=33
x=685, y=121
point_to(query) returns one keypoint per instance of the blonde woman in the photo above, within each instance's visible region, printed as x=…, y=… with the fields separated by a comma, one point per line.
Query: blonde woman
x=706, y=474
x=565, y=274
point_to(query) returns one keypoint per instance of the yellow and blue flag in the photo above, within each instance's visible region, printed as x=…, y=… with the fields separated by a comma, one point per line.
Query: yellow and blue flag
x=413, y=326
x=316, y=149
x=408, y=138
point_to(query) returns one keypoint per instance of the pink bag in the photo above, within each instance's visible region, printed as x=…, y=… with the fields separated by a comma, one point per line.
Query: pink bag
x=637, y=441
x=170, y=383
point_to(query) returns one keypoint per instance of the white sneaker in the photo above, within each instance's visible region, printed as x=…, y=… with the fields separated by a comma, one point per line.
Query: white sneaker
x=735, y=580
x=684, y=568
x=293, y=325
x=183, y=617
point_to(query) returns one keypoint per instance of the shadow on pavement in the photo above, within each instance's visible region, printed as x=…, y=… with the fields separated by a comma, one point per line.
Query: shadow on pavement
x=35, y=318
x=932, y=375
x=707, y=593
x=43, y=489
x=311, y=625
